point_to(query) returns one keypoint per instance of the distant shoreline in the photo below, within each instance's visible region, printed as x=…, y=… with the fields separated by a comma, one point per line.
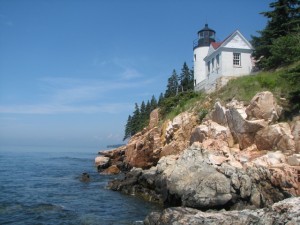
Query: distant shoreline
x=114, y=146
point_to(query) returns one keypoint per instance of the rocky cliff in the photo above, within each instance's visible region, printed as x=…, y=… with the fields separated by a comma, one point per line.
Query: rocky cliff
x=284, y=212
x=238, y=157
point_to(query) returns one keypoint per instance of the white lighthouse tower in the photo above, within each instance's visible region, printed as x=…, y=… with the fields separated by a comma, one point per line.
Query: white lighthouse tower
x=201, y=46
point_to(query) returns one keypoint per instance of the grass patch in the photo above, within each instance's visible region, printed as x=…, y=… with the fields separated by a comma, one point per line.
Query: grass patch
x=244, y=88
x=284, y=83
x=175, y=105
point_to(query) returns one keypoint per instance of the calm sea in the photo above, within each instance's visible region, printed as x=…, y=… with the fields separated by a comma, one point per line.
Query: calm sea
x=43, y=187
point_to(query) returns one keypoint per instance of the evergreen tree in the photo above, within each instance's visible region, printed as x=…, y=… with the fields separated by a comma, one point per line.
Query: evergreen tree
x=143, y=110
x=144, y=116
x=283, y=20
x=128, y=130
x=148, y=108
x=135, y=120
x=293, y=77
x=285, y=50
x=153, y=103
x=161, y=99
x=186, y=78
x=173, y=85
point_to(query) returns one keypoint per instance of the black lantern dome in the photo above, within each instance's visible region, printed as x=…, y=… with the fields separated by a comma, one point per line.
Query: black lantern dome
x=205, y=36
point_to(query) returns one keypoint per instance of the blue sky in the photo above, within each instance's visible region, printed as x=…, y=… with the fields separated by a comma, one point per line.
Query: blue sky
x=71, y=70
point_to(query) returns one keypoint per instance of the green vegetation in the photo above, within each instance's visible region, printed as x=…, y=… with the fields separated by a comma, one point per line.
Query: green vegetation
x=140, y=117
x=174, y=105
x=179, y=91
x=279, y=43
x=283, y=83
x=202, y=113
x=285, y=50
x=293, y=92
x=180, y=84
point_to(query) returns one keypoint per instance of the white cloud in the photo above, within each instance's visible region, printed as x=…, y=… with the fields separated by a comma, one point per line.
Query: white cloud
x=82, y=95
x=75, y=95
x=69, y=90
x=130, y=73
x=127, y=67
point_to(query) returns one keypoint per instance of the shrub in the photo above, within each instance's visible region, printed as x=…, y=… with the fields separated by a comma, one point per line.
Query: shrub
x=202, y=113
x=284, y=50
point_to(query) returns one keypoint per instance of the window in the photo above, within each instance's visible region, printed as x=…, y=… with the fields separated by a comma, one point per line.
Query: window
x=236, y=59
x=195, y=57
x=213, y=64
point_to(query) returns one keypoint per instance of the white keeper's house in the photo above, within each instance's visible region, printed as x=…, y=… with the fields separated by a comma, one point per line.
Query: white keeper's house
x=217, y=62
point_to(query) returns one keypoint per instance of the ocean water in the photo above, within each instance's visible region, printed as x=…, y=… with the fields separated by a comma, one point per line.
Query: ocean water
x=44, y=187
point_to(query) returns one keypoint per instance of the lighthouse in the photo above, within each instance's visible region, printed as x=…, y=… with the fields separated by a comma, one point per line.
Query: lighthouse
x=201, y=46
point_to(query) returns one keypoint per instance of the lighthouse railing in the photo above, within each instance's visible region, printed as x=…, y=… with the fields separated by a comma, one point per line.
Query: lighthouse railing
x=195, y=43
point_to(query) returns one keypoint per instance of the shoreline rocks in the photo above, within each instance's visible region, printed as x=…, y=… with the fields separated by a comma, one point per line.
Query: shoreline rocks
x=283, y=212
x=237, y=158
x=204, y=179
x=102, y=162
x=85, y=177
x=263, y=106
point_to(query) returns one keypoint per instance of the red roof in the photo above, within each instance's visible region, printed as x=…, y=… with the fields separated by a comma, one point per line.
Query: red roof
x=216, y=44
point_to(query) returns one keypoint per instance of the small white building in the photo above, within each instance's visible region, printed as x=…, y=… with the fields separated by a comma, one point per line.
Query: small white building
x=217, y=62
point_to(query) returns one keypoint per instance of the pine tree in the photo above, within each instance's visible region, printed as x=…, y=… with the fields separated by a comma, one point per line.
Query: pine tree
x=143, y=109
x=283, y=20
x=135, y=121
x=128, y=130
x=153, y=103
x=285, y=50
x=186, y=78
x=144, y=116
x=173, y=85
x=160, y=99
x=148, y=108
